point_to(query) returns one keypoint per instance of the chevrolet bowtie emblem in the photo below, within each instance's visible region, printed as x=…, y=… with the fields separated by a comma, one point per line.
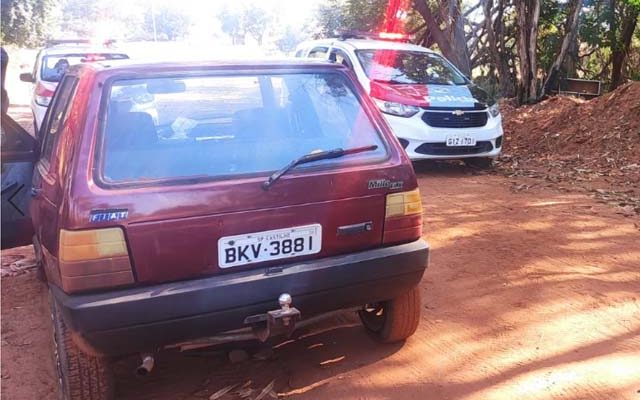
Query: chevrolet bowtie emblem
x=458, y=113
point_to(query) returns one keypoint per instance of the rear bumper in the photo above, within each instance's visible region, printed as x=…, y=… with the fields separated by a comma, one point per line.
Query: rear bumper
x=143, y=319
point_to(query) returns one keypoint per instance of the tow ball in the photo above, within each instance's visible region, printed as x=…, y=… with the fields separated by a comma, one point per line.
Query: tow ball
x=275, y=322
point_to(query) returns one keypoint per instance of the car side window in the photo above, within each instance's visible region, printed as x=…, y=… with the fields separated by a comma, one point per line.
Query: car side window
x=318, y=52
x=14, y=139
x=35, y=67
x=56, y=116
x=340, y=57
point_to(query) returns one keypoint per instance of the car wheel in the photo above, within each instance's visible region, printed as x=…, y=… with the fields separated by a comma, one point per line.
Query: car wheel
x=479, y=162
x=393, y=320
x=80, y=376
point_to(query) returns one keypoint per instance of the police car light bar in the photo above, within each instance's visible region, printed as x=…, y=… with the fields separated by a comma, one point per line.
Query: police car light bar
x=391, y=36
x=57, y=42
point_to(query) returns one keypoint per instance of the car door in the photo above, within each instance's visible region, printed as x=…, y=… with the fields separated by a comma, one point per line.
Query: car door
x=48, y=178
x=19, y=153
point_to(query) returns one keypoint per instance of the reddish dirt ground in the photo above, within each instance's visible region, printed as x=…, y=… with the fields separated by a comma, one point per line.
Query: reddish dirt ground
x=589, y=146
x=531, y=294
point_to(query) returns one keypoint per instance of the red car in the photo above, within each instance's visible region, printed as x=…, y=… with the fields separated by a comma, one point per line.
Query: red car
x=256, y=196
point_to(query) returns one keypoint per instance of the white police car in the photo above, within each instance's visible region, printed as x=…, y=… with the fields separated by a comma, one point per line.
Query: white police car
x=435, y=111
x=53, y=61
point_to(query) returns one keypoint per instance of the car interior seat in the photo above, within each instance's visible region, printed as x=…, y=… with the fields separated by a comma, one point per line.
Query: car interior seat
x=129, y=140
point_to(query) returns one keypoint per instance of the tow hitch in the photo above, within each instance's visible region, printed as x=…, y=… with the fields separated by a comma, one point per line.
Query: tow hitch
x=275, y=322
x=262, y=326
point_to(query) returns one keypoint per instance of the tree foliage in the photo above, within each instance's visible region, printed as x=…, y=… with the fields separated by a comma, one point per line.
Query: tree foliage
x=25, y=22
x=330, y=16
x=288, y=39
x=171, y=23
x=238, y=22
x=505, y=46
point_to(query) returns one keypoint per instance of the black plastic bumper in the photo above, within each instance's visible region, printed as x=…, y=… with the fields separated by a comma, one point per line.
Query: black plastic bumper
x=145, y=318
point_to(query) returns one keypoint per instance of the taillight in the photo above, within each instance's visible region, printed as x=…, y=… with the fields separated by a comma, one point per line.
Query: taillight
x=403, y=217
x=43, y=95
x=93, y=259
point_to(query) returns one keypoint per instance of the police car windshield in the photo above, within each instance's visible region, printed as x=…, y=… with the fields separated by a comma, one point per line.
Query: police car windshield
x=55, y=66
x=408, y=67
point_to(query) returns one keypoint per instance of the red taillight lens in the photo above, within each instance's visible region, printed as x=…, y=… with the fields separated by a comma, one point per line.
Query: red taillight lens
x=403, y=217
x=93, y=259
x=43, y=95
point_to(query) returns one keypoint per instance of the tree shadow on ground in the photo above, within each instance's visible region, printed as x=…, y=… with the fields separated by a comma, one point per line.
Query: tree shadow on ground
x=519, y=289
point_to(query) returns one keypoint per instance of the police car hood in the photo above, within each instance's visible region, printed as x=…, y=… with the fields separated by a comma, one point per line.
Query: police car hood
x=467, y=96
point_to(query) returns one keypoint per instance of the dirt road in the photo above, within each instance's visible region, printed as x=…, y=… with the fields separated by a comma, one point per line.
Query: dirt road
x=531, y=294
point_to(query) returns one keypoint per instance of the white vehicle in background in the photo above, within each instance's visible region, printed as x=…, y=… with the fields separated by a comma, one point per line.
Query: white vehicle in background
x=53, y=61
x=435, y=111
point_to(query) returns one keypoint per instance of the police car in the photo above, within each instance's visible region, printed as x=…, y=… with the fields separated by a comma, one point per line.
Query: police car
x=435, y=110
x=53, y=61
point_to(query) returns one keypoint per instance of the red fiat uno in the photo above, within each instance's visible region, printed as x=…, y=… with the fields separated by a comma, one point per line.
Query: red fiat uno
x=252, y=197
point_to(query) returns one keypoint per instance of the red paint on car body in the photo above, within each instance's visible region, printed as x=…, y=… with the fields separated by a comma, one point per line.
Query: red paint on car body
x=408, y=94
x=172, y=229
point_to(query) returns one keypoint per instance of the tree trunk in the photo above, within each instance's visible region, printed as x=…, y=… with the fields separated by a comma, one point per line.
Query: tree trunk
x=571, y=61
x=499, y=61
x=533, y=41
x=451, y=41
x=621, y=48
x=570, y=30
x=528, y=16
x=459, y=40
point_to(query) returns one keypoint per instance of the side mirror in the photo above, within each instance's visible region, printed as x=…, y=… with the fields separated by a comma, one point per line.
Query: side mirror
x=27, y=77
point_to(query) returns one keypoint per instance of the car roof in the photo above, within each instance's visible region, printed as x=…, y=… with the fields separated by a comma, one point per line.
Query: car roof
x=137, y=66
x=79, y=49
x=367, y=44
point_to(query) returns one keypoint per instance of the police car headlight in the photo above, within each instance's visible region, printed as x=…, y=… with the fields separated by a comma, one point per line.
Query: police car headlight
x=494, y=110
x=400, y=110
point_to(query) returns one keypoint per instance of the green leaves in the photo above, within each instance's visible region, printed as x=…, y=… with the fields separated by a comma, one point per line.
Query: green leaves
x=25, y=22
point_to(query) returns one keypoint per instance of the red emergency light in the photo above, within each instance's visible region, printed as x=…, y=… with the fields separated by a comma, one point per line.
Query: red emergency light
x=390, y=36
x=395, y=36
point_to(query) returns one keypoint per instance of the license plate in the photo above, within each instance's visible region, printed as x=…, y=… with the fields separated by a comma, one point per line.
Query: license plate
x=269, y=245
x=454, y=141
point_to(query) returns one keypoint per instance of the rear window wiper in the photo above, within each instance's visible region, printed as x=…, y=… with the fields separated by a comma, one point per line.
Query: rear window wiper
x=315, y=156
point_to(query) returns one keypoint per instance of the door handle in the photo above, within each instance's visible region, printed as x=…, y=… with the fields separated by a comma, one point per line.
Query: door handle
x=35, y=191
x=355, y=228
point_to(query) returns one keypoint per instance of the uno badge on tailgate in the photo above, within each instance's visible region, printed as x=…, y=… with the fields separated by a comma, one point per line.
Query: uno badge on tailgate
x=269, y=245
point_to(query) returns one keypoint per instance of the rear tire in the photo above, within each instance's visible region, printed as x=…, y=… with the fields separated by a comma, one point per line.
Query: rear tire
x=479, y=162
x=393, y=320
x=80, y=376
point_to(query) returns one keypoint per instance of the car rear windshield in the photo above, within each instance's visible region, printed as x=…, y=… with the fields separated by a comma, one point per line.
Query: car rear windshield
x=54, y=66
x=409, y=67
x=221, y=126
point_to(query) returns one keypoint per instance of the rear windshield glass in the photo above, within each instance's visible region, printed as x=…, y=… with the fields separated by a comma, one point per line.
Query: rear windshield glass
x=216, y=126
x=54, y=66
x=409, y=67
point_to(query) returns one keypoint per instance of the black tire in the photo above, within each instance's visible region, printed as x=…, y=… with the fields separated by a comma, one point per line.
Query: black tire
x=80, y=376
x=393, y=320
x=479, y=162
